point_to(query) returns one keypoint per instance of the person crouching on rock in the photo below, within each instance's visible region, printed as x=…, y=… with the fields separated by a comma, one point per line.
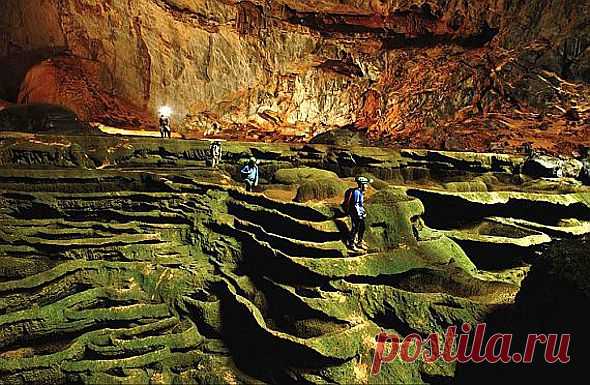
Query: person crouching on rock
x=165, y=130
x=354, y=207
x=250, y=174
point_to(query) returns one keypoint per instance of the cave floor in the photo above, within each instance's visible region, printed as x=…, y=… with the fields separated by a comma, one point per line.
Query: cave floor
x=128, y=260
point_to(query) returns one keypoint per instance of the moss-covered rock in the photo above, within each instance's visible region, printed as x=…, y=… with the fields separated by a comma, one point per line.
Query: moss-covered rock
x=320, y=189
x=302, y=174
x=471, y=186
x=171, y=274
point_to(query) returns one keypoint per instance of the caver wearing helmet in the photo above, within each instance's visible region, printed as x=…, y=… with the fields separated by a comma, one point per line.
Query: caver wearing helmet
x=215, y=153
x=250, y=174
x=354, y=206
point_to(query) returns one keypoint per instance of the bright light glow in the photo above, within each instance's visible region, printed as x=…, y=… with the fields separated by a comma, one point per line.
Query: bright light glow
x=166, y=111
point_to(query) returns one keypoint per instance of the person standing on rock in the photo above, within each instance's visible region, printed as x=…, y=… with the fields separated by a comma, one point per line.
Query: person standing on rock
x=165, y=130
x=215, y=153
x=250, y=174
x=585, y=159
x=354, y=205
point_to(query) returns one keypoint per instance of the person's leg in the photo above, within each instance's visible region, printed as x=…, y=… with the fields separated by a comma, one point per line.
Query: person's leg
x=361, y=233
x=353, y=231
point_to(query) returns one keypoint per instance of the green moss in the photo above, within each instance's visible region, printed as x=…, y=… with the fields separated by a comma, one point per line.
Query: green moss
x=490, y=180
x=162, y=276
x=379, y=184
x=471, y=186
x=320, y=189
x=302, y=174
x=390, y=215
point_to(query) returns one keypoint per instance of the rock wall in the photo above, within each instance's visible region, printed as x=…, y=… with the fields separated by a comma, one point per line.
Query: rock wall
x=79, y=84
x=430, y=73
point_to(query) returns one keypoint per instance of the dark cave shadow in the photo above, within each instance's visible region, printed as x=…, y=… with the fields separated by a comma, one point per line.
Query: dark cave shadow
x=547, y=303
x=16, y=65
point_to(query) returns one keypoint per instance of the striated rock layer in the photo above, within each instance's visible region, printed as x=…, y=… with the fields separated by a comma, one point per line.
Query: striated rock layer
x=127, y=261
x=428, y=73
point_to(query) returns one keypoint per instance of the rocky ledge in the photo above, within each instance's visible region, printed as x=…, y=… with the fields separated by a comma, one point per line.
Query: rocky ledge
x=128, y=260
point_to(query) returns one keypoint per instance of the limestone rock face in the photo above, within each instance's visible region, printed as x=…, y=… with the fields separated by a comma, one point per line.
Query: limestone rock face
x=80, y=85
x=431, y=73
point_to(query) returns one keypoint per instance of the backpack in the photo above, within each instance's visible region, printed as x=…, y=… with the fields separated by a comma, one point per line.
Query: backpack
x=347, y=202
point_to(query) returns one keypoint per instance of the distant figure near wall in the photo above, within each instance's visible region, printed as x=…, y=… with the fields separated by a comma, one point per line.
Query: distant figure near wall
x=165, y=129
x=585, y=159
x=215, y=153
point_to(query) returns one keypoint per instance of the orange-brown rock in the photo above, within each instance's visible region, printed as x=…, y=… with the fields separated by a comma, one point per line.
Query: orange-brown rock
x=428, y=73
x=80, y=84
x=3, y=104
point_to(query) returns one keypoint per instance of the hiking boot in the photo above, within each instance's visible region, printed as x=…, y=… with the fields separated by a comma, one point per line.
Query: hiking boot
x=362, y=246
x=351, y=247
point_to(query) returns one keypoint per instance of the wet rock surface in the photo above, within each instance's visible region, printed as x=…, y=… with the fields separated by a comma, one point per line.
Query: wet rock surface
x=126, y=260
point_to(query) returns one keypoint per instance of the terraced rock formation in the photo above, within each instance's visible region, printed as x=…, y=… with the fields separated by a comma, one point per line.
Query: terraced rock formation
x=127, y=261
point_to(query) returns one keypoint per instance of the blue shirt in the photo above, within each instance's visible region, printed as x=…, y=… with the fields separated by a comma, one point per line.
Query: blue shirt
x=358, y=201
x=250, y=174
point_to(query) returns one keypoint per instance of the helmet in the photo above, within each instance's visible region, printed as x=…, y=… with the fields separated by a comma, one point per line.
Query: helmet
x=253, y=160
x=363, y=180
